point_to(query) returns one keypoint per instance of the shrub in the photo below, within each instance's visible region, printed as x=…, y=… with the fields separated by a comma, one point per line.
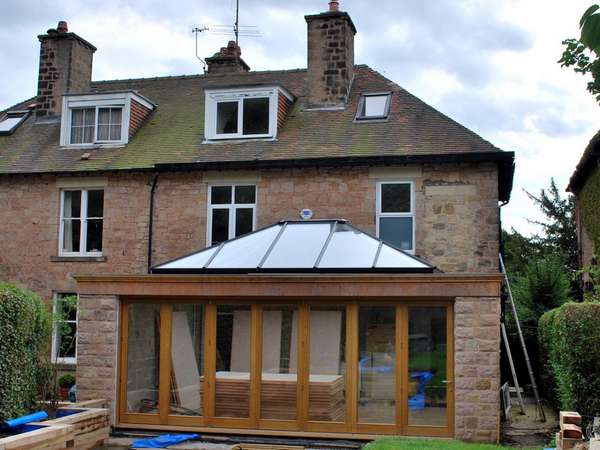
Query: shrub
x=24, y=336
x=569, y=336
x=66, y=381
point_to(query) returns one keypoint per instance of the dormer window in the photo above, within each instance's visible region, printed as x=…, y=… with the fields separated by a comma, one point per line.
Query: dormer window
x=102, y=120
x=243, y=113
x=374, y=106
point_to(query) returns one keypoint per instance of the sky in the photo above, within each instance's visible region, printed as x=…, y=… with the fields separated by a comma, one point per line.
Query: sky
x=489, y=65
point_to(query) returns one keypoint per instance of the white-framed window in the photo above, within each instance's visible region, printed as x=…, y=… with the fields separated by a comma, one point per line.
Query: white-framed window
x=64, y=333
x=81, y=222
x=396, y=213
x=231, y=211
x=374, y=106
x=242, y=113
x=100, y=120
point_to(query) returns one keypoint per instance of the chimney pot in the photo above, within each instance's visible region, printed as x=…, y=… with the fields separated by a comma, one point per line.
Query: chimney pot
x=62, y=27
x=334, y=5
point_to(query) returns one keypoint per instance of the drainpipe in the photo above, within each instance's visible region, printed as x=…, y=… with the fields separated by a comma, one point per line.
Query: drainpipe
x=151, y=220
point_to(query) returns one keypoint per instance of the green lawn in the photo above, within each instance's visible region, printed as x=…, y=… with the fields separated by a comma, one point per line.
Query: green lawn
x=425, y=444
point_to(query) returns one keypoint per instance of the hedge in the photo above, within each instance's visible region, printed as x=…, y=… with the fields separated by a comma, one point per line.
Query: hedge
x=569, y=340
x=25, y=330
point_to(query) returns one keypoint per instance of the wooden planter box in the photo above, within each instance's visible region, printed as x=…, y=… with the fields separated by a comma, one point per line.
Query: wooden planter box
x=88, y=428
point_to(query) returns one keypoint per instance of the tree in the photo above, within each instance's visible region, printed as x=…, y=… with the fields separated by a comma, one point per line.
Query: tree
x=559, y=236
x=583, y=54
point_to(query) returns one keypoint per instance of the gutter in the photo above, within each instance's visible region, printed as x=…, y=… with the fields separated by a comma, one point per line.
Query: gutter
x=151, y=221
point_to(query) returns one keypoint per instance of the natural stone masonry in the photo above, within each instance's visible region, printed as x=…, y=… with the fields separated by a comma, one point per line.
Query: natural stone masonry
x=97, y=348
x=477, y=368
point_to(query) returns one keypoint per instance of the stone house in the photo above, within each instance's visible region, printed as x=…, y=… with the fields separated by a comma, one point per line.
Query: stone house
x=585, y=186
x=378, y=313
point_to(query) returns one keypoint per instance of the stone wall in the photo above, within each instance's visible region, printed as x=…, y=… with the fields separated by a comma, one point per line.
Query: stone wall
x=97, y=348
x=477, y=368
x=456, y=216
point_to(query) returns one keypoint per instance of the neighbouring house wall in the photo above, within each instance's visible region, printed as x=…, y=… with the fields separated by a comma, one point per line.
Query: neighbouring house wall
x=97, y=348
x=477, y=368
x=588, y=220
x=30, y=211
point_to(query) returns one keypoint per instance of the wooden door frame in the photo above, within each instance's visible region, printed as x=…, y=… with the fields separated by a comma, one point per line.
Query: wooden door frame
x=302, y=423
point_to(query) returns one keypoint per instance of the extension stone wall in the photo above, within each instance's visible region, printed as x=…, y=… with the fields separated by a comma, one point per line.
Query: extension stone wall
x=97, y=348
x=477, y=368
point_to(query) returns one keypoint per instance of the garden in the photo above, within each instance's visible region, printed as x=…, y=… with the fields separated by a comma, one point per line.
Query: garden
x=33, y=410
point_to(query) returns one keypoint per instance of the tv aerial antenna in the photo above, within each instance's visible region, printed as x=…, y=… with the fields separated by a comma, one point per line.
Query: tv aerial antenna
x=227, y=30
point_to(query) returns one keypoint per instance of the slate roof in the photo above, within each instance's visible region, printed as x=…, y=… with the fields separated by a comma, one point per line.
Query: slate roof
x=173, y=136
x=586, y=165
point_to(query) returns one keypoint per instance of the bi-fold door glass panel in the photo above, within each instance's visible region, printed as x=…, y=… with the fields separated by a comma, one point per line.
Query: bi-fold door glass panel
x=327, y=371
x=279, y=378
x=377, y=364
x=232, y=377
x=143, y=352
x=427, y=366
x=187, y=355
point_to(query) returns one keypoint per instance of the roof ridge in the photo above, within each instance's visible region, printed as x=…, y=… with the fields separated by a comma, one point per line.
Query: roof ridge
x=198, y=75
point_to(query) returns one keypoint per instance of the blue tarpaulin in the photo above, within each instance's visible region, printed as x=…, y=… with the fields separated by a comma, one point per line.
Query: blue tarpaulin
x=163, y=441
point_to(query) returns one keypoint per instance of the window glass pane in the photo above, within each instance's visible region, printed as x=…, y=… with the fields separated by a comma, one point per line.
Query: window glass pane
x=71, y=234
x=8, y=123
x=95, y=207
x=143, y=350
x=256, y=116
x=397, y=231
x=94, y=235
x=220, y=195
x=233, y=361
x=374, y=106
x=66, y=307
x=279, y=362
x=66, y=340
x=287, y=252
x=227, y=117
x=349, y=248
x=245, y=194
x=220, y=225
x=187, y=382
x=103, y=123
x=82, y=125
x=327, y=380
x=244, y=253
x=71, y=204
x=115, y=124
x=377, y=364
x=395, y=198
x=427, y=388
x=243, y=220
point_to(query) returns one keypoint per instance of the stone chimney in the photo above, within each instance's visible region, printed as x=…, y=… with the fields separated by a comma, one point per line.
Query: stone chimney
x=227, y=60
x=330, y=57
x=65, y=66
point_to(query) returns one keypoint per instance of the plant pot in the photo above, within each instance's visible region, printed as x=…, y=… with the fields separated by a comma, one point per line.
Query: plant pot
x=64, y=394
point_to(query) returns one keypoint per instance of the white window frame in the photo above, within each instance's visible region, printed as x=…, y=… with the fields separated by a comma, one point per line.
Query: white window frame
x=231, y=207
x=97, y=101
x=411, y=213
x=215, y=96
x=55, y=347
x=83, y=218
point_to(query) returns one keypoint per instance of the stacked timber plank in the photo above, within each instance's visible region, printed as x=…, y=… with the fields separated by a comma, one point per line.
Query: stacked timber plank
x=278, y=396
x=266, y=447
x=570, y=434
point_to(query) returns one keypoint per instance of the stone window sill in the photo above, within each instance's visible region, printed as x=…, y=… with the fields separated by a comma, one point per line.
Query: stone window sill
x=78, y=259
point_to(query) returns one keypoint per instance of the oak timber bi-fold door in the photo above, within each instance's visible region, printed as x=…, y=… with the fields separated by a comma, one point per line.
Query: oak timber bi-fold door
x=300, y=366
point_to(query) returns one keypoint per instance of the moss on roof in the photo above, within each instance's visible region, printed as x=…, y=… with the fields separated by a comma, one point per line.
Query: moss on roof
x=175, y=131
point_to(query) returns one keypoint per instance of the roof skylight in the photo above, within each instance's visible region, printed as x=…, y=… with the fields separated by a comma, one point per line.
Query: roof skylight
x=373, y=106
x=11, y=121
